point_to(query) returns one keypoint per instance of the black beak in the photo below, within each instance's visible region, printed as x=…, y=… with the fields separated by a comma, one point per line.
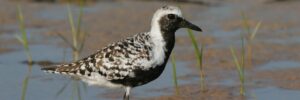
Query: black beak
x=186, y=24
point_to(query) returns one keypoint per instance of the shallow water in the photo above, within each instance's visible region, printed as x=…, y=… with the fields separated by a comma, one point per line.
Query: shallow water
x=45, y=86
x=275, y=93
x=277, y=65
x=60, y=11
x=226, y=38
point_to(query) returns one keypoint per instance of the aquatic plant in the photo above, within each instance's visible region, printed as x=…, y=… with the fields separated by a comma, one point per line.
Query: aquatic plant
x=23, y=39
x=240, y=65
x=250, y=35
x=173, y=61
x=199, y=56
x=25, y=84
x=246, y=51
x=78, y=39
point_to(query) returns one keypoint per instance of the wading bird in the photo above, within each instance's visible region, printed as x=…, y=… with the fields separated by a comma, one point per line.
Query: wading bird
x=133, y=61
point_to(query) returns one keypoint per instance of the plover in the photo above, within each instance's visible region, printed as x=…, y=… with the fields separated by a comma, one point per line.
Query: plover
x=133, y=61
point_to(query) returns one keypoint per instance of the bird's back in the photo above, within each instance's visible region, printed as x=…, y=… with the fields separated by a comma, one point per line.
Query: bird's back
x=127, y=62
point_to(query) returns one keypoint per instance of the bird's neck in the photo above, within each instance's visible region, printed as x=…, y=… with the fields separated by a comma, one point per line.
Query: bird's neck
x=164, y=41
x=169, y=38
x=163, y=33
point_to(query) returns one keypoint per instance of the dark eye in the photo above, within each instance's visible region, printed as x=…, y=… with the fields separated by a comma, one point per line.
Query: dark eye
x=171, y=16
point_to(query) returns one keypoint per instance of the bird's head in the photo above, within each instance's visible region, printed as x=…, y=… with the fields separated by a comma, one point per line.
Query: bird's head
x=170, y=19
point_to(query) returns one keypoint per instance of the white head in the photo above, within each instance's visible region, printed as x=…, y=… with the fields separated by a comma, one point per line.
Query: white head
x=165, y=10
x=165, y=22
x=169, y=18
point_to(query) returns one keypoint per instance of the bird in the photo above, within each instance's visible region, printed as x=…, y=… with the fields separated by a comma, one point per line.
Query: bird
x=133, y=61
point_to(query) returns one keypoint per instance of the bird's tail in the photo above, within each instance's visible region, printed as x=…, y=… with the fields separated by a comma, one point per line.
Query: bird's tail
x=51, y=69
x=61, y=69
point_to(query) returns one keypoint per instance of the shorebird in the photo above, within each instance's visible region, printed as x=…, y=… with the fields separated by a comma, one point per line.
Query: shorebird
x=133, y=61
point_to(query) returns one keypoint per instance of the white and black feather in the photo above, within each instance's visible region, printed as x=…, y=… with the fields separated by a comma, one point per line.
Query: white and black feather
x=131, y=62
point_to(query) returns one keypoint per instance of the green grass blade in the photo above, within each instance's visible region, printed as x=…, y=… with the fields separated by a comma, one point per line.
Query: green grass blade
x=24, y=87
x=74, y=86
x=81, y=39
x=79, y=20
x=24, y=41
x=199, y=56
x=173, y=61
x=240, y=69
x=66, y=41
x=62, y=89
x=23, y=38
x=242, y=72
x=245, y=23
x=21, y=21
x=236, y=61
x=202, y=80
x=72, y=25
x=19, y=38
x=78, y=37
x=83, y=35
x=194, y=42
x=243, y=55
x=255, y=30
x=78, y=91
x=22, y=28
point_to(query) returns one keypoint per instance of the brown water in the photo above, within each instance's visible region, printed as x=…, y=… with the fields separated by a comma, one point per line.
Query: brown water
x=275, y=56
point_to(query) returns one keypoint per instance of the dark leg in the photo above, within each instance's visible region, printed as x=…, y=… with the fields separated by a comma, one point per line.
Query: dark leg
x=125, y=97
x=127, y=93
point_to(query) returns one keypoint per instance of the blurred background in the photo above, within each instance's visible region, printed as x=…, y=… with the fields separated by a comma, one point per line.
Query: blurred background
x=249, y=49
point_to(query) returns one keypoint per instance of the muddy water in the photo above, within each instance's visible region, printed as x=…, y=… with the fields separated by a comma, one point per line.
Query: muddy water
x=271, y=77
x=45, y=86
x=275, y=93
x=48, y=48
x=225, y=23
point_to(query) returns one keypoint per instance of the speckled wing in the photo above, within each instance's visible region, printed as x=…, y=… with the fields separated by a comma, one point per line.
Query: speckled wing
x=116, y=61
x=82, y=67
x=120, y=59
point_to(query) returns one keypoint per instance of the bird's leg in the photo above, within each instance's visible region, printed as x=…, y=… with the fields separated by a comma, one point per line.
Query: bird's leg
x=127, y=93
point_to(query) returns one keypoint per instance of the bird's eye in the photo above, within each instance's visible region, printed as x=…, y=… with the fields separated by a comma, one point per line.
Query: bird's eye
x=171, y=16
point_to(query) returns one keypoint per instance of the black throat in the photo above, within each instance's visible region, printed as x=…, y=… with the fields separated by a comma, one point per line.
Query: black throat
x=169, y=38
x=168, y=33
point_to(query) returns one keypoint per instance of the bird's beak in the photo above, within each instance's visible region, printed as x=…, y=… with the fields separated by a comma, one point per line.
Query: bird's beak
x=186, y=24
